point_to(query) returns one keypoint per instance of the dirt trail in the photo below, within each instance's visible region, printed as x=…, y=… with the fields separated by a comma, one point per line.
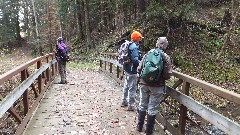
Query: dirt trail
x=88, y=104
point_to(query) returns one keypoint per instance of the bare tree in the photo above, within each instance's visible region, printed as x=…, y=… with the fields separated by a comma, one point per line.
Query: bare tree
x=26, y=16
x=87, y=25
x=36, y=27
x=141, y=6
x=80, y=19
x=35, y=17
x=119, y=21
x=103, y=16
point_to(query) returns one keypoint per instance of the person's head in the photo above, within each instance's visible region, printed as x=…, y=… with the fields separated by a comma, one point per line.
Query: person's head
x=162, y=43
x=60, y=40
x=136, y=36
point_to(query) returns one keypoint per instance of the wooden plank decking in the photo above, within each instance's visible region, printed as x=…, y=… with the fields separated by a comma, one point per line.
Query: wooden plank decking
x=88, y=104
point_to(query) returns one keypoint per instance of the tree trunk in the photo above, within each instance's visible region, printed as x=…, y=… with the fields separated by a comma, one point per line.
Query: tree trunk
x=26, y=16
x=36, y=28
x=80, y=19
x=35, y=17
x=103, y=16
x=18, y=32
x=87, y=25
x=119, y=21
x=162, y=2
x=50, y=19
x=141, y=6
x=17, y=27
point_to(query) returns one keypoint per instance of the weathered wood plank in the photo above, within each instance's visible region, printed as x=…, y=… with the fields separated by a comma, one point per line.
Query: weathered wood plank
x=230, y=95
x=115, y=62
x=22, y=126
x=9, y=100
x=179, y=82
x=8, y=75
x=167, y=125
x=13, y=112
x=112, y=76
x=206, y=113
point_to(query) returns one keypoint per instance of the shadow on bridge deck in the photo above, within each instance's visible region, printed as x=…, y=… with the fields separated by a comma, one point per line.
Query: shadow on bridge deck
x=88, y=104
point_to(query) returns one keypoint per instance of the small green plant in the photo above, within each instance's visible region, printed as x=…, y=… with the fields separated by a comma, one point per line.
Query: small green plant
x=75, y=65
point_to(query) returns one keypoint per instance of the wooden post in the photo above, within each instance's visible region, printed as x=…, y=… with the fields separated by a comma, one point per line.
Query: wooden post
x=121, y=78
x=53, y=70
x=105, y=66
x=12, y=111
x=100, y=63
x=110, y=68
x=25, y=94
x=39, y=64
x=110, y=64
x=56, y=68
x=183, y=109
x=33, y=87
x=47, y=72
x=118, y=72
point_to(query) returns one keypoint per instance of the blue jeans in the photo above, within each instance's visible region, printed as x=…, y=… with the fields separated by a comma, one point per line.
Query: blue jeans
x=150, y=98
x=130, y=88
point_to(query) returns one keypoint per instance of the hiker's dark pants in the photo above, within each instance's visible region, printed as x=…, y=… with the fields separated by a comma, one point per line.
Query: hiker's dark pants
x=150, y=98
x=62, y=71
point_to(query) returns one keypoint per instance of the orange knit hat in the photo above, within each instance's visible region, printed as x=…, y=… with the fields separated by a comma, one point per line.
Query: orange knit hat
x=136, y=35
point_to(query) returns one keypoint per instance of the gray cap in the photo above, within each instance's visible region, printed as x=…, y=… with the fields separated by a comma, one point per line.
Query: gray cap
x=162, y=43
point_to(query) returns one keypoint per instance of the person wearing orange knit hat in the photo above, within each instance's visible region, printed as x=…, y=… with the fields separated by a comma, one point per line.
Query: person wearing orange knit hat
x=136, y=36
x=130, y=70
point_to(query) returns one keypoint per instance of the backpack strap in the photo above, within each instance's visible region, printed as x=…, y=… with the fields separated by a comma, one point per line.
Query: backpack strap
x=129, y=52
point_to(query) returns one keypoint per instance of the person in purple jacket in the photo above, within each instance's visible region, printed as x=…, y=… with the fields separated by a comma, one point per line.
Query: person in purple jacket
x=61, y=57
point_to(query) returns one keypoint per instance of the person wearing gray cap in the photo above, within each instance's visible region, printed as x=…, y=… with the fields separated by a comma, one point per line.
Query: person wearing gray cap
x=151, y=94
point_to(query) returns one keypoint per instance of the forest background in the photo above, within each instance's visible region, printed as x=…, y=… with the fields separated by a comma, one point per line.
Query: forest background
x=204, y=35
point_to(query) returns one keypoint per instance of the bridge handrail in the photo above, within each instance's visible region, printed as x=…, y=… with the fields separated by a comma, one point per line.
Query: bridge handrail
x=4, y=77
x=182, y=97
x=44, y=74
x=11, y=98
x=230, y=95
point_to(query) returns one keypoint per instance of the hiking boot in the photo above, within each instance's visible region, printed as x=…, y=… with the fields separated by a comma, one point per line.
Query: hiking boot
x=63, y=82
x=124, y=103
x=130, y=108
x=150, y=124
x=141, y=118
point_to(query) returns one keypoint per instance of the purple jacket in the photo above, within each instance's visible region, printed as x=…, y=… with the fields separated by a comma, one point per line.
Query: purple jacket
x=61, y=52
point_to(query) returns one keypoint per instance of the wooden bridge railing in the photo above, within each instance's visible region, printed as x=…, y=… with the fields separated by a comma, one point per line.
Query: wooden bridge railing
x=179, y=98
x=33, y=77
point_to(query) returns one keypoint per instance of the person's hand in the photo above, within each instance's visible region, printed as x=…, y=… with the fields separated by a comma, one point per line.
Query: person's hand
x=126, y=62
x=138, y=69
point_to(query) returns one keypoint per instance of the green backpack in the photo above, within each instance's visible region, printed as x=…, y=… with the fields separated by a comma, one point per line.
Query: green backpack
x=152, y=66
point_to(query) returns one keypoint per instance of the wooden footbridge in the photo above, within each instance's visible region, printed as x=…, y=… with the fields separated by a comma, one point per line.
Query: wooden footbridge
x=215, y=111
